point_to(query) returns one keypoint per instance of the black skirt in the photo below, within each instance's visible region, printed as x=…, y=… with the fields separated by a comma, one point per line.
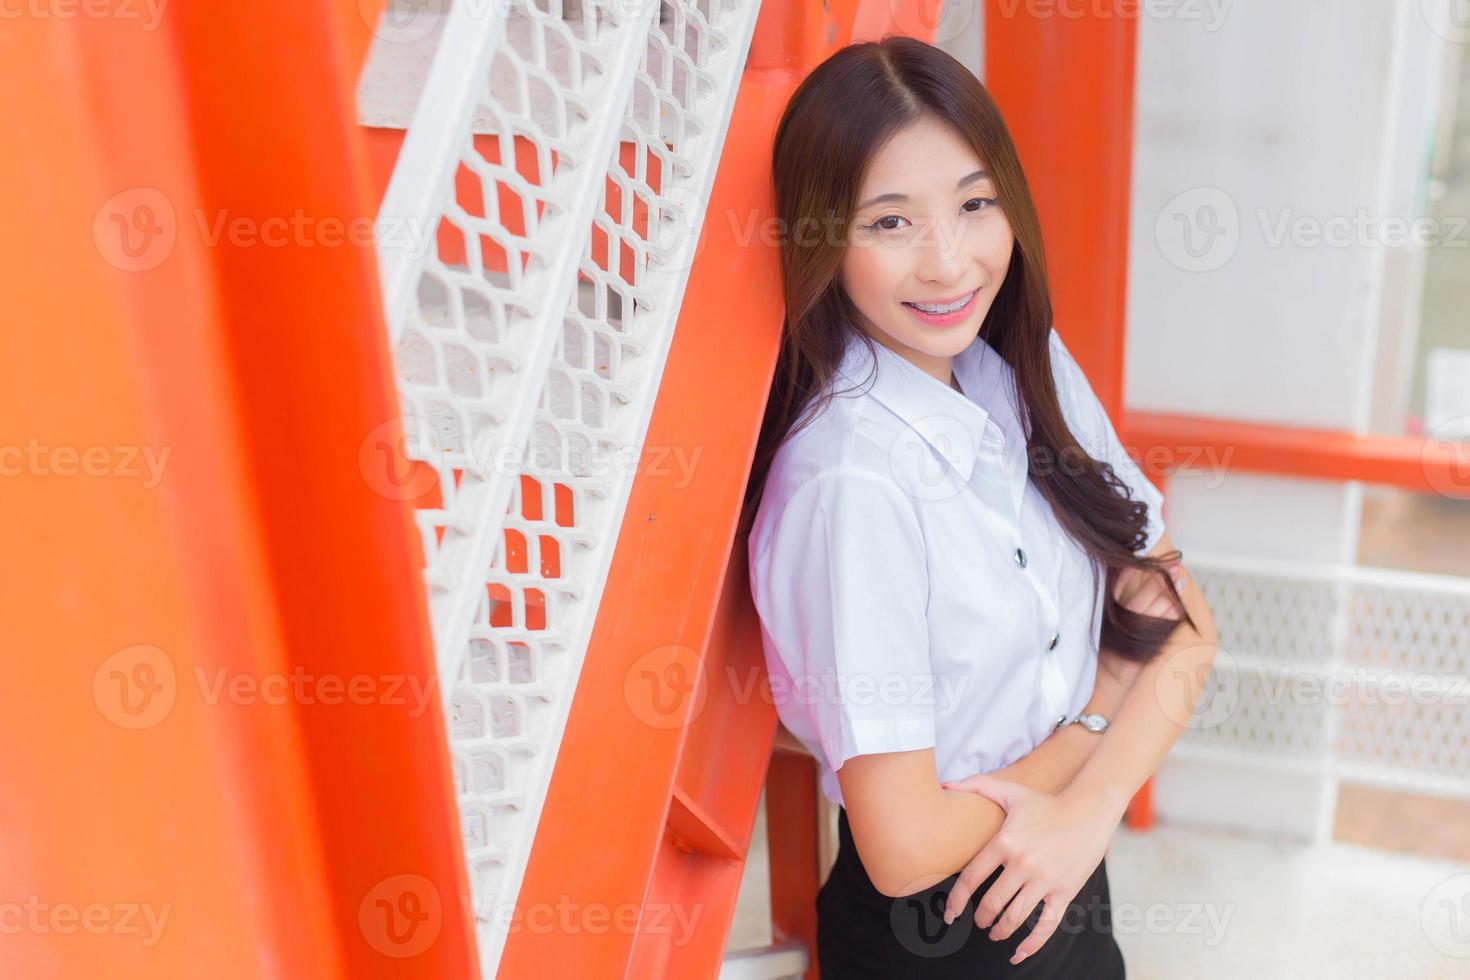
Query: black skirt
x=863, y=934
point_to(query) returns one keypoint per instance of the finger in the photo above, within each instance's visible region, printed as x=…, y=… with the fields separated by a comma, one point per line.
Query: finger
x=1002, y=791
x=993, y=902
x=1162, y=605
x=972, y=876
x=1125, y=584
x=965, y=784
x=1052, y=909
x=1018, y=912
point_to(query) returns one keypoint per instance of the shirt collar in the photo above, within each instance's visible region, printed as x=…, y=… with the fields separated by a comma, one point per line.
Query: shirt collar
x=954, y=425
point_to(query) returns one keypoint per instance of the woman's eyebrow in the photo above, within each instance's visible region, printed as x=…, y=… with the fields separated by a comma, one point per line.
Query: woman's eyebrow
x=896, y=198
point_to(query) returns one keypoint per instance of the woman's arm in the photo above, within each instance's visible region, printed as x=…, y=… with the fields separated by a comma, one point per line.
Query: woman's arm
x=1154, y=713
x=888, y=818
x=912, y=833
x=1051, y=843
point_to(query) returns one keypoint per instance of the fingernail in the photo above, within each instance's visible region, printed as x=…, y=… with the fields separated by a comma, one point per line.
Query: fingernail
x=1019, y=957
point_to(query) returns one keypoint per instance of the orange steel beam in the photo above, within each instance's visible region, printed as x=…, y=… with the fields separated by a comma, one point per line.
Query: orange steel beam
x=652, y=802
x=276, y=137
x=648, y=815
x=200, y=750
x=1163, y=442
x=121, y=795
x=793, y=854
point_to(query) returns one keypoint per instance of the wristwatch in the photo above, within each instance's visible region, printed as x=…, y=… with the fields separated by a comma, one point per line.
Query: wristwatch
x=1091, y=722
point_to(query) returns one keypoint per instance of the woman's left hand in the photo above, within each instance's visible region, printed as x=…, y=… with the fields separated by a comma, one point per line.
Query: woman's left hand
x=1049, y=845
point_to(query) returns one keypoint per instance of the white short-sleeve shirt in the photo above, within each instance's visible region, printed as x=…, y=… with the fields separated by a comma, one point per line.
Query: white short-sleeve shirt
x=914, y=588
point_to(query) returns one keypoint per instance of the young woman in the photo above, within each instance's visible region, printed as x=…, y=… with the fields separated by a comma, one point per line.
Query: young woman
x=948, y=540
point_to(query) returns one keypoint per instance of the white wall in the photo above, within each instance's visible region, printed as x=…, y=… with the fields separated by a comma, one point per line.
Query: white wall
x=1305, y=117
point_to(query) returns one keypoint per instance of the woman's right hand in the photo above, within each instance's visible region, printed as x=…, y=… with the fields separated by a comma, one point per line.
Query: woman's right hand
x=1142, y=592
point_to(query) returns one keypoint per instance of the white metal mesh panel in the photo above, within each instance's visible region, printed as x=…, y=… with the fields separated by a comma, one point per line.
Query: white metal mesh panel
x=1358, y=673
x=1410, y=642
x=529, y=341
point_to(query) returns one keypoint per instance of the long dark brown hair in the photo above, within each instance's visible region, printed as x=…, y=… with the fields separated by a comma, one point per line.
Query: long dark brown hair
x=837, y=119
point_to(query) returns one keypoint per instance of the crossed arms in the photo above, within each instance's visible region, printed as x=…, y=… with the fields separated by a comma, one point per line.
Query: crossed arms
x=912, y=833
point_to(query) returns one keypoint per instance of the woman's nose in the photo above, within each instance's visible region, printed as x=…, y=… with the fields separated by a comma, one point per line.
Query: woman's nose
x=941, y=252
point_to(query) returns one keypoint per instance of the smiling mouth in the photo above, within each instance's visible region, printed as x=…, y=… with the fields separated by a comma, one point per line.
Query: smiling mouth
x=949, y=306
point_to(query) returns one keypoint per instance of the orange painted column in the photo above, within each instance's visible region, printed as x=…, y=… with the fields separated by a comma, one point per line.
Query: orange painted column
x=222, y=756
x=1065, y=85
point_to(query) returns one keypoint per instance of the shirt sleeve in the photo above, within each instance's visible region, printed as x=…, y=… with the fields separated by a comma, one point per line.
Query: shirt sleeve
x=842, y=589
x=1089, y=422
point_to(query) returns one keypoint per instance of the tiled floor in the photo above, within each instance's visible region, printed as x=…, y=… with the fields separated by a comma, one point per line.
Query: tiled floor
x=1202, y=904
x=1229, y=905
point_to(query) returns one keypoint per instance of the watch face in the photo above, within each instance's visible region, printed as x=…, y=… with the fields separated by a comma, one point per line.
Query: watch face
x=1094, y=723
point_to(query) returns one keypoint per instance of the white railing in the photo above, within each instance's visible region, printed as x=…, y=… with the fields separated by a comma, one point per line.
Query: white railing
x=567, y=151
x=1356, y=674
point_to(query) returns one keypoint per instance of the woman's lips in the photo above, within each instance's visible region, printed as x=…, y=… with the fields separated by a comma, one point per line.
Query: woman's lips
x=944, y=319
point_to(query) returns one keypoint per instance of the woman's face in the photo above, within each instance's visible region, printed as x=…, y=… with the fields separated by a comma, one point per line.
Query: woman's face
x=935, y=235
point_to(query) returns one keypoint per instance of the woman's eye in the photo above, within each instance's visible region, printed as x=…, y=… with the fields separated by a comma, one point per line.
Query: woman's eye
x=889, y=221
x=880, y=226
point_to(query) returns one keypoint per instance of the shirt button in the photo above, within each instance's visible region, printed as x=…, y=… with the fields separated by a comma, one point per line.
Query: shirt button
x=1020, y=558
x=1054, y=638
